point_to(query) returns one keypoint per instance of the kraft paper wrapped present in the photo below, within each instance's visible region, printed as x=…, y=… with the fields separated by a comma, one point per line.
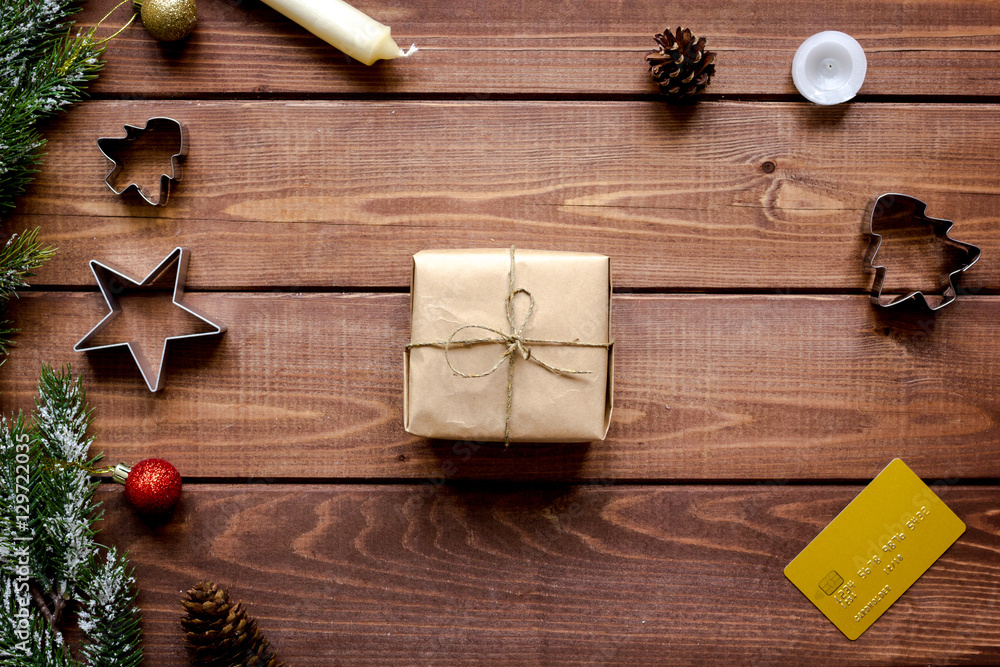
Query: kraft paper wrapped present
x=510, y=346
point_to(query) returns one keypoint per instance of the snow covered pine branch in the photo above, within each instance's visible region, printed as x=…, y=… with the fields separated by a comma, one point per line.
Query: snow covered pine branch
x=50, y=562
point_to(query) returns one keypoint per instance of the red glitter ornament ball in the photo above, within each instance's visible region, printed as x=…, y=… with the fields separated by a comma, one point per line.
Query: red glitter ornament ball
x=153, y=486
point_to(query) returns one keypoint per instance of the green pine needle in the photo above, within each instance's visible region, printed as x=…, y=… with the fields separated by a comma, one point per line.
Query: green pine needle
x=62, y=418
x=109, y=618
x=19, y=256
x=47, y=516
x=43, y=68
x=32, y=643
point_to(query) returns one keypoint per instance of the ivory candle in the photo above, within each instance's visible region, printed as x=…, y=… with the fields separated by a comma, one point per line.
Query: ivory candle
x=829, y=67
x=334, y=21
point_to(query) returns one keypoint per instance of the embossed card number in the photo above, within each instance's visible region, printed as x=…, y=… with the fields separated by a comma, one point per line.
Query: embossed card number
x=875, y=549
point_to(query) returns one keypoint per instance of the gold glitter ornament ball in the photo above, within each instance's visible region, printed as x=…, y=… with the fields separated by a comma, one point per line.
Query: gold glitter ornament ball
x=168, y=20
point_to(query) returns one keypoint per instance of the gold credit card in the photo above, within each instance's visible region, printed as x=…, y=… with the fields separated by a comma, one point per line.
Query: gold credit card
x=875, y=549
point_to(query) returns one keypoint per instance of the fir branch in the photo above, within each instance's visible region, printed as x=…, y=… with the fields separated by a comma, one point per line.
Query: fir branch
x=67, y=511
x=15, y=493
x=43, y=69
x=50, y=563
x=20, y=255
x=6, y=331
x=62, y=416
x=109, y=618
x=26, y=640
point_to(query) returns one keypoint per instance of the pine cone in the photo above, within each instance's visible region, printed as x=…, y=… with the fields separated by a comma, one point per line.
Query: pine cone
x=681, y=66
x=221, y=634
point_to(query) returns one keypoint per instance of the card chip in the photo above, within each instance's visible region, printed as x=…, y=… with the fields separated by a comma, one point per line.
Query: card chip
x=831, y=582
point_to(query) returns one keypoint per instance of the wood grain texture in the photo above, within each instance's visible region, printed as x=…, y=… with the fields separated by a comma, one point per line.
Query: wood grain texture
x=590, y=47
x=315, y=194
x=706, y=387
x=606, y=575
x=747, y=415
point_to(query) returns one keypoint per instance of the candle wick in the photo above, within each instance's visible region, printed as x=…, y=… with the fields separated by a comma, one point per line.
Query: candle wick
x=413, y=49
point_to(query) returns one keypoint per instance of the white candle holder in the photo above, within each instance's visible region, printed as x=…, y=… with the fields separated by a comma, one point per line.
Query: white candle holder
x=829, y=67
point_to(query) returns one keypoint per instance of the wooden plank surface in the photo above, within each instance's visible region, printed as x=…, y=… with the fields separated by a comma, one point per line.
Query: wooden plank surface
x=603, y=575
x=757, y=389
x=707, y=387
x=476, y=49
x=317, y=194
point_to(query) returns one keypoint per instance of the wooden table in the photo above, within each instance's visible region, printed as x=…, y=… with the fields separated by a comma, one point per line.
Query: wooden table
x=757, y=389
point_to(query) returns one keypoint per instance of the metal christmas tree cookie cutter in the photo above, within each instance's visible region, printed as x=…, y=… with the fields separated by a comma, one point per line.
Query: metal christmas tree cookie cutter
x=895, y=205
x=112, y=148
x=105, y=275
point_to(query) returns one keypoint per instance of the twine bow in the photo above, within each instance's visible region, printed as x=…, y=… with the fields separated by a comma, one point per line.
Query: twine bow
x=515, y=342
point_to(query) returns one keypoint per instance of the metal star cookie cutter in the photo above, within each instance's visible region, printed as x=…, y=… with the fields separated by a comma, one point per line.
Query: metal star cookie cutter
x=102, y=272
x=892, y=205
x=111, y=148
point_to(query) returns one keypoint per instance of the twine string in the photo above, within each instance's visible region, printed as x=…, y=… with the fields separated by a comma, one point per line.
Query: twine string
x=118, y=32
x=514, y=341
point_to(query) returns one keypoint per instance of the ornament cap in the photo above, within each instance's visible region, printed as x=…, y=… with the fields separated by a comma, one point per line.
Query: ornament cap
x=120, y=473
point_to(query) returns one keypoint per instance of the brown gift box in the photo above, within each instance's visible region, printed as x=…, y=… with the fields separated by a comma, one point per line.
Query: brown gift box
x=562, y=376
